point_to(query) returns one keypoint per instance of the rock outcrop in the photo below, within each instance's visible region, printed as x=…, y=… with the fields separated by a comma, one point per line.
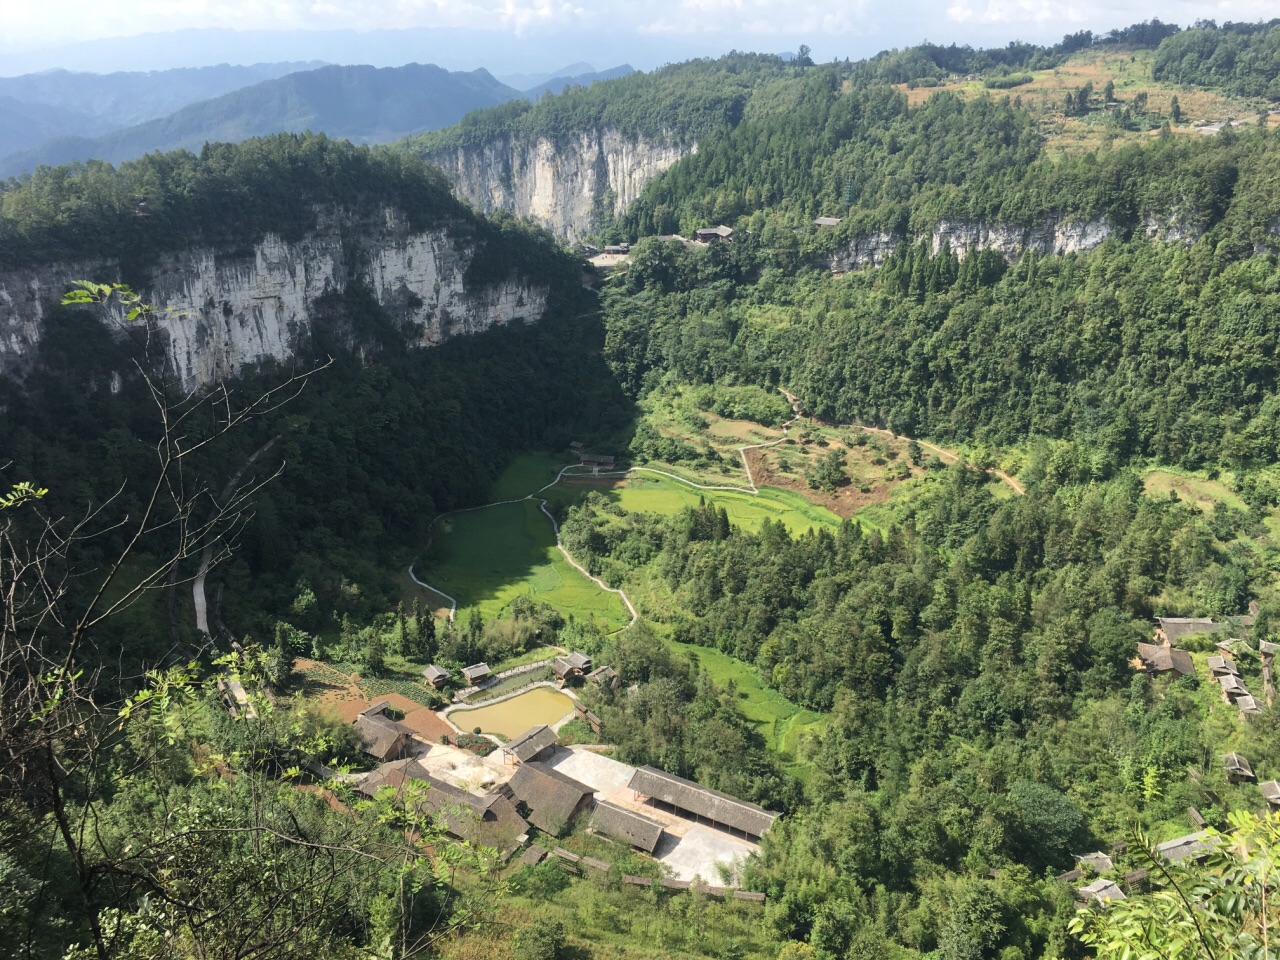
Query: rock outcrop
x=567, y=186
x=224, y=309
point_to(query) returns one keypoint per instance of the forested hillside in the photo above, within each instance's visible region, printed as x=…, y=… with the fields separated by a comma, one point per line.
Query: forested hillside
x=1050, y=376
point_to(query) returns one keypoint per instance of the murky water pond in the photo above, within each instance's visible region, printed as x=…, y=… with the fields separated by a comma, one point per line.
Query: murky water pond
x=510, y=718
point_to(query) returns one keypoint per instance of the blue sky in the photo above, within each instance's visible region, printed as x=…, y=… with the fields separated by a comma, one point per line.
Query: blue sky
x=833, y=29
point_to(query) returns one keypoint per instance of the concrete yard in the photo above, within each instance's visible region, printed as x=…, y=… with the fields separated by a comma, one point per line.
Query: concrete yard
x=464, y=769
x=689, y=850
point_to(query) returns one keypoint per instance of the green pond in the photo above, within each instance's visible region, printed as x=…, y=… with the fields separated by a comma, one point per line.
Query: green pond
x=510, y=718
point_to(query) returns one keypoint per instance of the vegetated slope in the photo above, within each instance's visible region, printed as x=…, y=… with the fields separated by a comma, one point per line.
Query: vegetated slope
x=1241, y=57
x=359, y=103
x=24, y=124
x=88, y=104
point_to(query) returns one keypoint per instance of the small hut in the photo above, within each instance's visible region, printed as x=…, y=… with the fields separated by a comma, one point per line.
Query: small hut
x=1238, y=768
x=437, y=676
x=477, y=673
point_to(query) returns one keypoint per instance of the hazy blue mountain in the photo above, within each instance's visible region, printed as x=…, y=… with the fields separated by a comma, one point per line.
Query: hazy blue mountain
x=527, y=81
x=124, y=99
x=364, y=104
x=25, y=125
x=558, y=83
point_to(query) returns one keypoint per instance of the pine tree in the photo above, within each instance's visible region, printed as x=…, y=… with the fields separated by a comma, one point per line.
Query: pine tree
x=375, y=653
x=402, y=630
x=1175, y=110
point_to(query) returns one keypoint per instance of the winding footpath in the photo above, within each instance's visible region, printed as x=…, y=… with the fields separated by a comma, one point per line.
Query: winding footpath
x=751, y=490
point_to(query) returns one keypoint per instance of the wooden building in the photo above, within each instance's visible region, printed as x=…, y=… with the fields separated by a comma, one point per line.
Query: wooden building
x=529, y=745
x=1101, y=892
x=720, y=234
x=1160, y=659
x=1170, y=630
x=437, y=676
x=1271, y=793
x=696, y=802
x=381, y=737
x=1194, y=846
x=477, y=673
x=1222, y=667
x=627, y=825
x=1238, y=768
x=552, y=798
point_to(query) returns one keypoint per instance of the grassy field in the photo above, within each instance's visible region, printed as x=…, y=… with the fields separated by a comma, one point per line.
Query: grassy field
x=1199, y=491
x=486, y=558
x=782, y=723
x=528, y=474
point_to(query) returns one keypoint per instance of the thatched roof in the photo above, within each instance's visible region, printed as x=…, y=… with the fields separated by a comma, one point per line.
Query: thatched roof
x=1161, y=659
x=627, y=825
x=552, y=797
x=1192, y=846
x=381, y=737
x=699, y=800
x=531, y=743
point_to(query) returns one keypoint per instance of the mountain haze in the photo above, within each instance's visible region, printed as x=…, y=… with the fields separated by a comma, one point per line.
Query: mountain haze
x=360, y=103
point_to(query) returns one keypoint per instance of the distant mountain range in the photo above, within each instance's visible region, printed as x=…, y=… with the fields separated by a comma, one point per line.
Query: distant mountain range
x=61, y=117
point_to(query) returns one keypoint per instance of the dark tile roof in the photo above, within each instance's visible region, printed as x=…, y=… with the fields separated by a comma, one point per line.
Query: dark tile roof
x=1097, y=861
x=1177, y=627
x=579, y=661
x=1192, y=846
x=1271, y=791
x=434, y=673
x=531, y=743
x=697, y=799
x=1102, y=891
x=1220, y=666
x=1238, y=766
x=1162, y=659
x=626, y=825
x=477, y=671
x=552, y=797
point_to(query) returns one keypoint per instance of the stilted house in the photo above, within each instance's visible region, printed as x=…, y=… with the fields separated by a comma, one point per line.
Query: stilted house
x=1271, y=793
x=593, y=721
x=1247, y=705
x=1223, y=667
x=720, y=234
x=1232, y=688
x=552, y=798
x=596, y=461
x=570, y=667
x=437, y=676
x=530, y=745
x=620, y=823
x=604, y=676
x=696, y=802
x=477, y=673
x=1238, y=768
x=381, y=737
x=827, y=221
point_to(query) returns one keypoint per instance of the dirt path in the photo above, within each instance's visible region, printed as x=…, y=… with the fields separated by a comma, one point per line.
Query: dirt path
x=948, y=456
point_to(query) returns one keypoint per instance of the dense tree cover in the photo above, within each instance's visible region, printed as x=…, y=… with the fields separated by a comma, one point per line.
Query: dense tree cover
x=863, y=155
x=1241, y=57
x=682, y=102
x=229, y=194
x=984, y=721
x=1138, y=348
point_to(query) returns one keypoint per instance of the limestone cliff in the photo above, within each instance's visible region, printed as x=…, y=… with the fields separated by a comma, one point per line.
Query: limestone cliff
x=564, y=186
x=224, y=309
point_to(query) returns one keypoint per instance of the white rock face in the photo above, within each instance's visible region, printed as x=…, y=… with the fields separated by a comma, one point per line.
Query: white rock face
x=564, y=187
x=965, y=236
x=224, y=310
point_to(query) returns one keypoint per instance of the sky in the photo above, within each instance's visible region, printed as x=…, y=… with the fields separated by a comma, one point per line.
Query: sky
x=833, y=28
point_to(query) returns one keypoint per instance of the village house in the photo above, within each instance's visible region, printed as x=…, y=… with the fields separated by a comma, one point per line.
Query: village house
x=529, y=745
x=552, y=799
x=596, y=461
x=437, y=676
x=1222, y=667
x=593, y=721
x=1194, y=846
x=381, y=737
x=715, y=234
x=618, y=249
x=1172, y=629
x=827, y=221
x=1247, y=705
x=1101, y=892
x=627, y=825
x=1232, y=688
x=570, y=667
x=1238, y=768
x=1271, y=793
x=476, y=674
x=577, y=446
x=693, y=801
x=1161, y=658
x=604, y=676
x=1097, y=861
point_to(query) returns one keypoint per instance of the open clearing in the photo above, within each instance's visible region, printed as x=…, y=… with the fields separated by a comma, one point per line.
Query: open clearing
x=486, y=558
x=1196, y=490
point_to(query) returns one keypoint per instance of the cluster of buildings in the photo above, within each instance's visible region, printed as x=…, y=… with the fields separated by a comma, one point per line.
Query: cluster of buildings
x=538, y=795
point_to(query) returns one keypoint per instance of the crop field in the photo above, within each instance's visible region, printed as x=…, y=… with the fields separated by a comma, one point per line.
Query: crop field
x=1196, y=490
x=486, y=558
